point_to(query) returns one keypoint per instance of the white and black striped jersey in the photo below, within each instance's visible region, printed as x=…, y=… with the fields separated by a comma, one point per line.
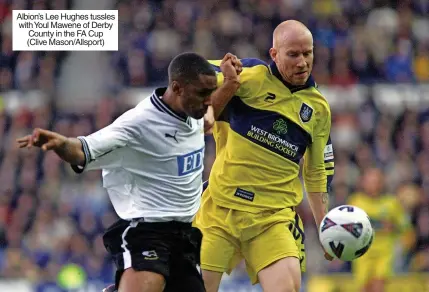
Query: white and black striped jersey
x=152, y=162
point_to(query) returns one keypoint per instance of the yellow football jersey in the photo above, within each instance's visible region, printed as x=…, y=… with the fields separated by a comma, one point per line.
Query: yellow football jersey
x=261, y=136
x=382, y=211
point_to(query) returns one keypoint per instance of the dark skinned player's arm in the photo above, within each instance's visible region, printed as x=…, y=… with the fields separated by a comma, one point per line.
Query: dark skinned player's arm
x=71, y=151
x=221, y=97
x=68, y=149
x=228, y=80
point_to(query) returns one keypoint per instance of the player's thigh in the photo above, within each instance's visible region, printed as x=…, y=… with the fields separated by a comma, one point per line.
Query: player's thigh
x=283, y=275
x=219, y=247
x=281, y=240
x=185, y=276
x=281, y=268
x=274, y=244
x=219, y=254
x=212, y=280
x=139, y=247
x=141, y=281
x=218, y=251
x=185, y=271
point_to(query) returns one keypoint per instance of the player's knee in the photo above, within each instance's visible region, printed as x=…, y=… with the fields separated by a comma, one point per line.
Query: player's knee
x=281, y=276
x=211, y=280
x=141, y=281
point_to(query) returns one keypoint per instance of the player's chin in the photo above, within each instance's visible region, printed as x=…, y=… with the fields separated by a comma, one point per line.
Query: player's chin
x=300, y=78
x=198, y=115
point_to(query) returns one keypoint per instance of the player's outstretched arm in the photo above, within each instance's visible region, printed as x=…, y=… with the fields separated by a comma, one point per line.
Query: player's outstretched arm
x=231, y=68
x=68, y=149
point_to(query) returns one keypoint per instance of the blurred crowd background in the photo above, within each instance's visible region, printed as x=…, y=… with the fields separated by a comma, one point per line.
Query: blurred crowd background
x=51, y=218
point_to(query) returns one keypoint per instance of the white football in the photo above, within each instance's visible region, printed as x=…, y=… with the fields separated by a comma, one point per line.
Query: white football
x=346, y=232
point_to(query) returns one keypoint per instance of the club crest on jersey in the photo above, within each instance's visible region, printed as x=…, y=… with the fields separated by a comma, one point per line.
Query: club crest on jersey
x=305, y=112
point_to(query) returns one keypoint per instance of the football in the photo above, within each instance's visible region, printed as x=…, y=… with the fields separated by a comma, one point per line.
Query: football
x=346, y=232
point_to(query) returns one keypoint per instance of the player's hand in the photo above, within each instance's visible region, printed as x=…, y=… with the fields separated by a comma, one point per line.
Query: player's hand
x=231, y=67
x=209, y=121
x=328, y=257
x=44, y=139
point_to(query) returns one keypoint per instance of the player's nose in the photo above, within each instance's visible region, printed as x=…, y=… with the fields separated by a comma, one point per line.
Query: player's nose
x=302, y=64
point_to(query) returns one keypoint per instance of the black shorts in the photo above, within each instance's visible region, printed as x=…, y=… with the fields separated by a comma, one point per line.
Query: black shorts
x=171, y=249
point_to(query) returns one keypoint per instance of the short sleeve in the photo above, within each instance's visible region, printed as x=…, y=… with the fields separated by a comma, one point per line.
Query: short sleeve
x=97, y=146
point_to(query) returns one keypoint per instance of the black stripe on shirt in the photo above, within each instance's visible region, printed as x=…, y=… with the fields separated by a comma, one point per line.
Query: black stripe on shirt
x=162, y=106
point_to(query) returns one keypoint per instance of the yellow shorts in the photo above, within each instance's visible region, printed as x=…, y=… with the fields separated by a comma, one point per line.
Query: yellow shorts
x=373, y=266
x=261, y=239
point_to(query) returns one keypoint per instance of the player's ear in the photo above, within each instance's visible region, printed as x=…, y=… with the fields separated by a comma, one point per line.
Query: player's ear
x=175, y=86
x=273, y=54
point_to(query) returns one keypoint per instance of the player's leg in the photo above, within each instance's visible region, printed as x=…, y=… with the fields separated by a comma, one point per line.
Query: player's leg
x=219, y=248
x=185, y=272
x=190, y=280
x=141, y=281
x=275, y=256
x=283, y=275
x=141, y=252
x=383, y=270
x=219, y=254
x=362, y=269
x=212, y=280
x=138, y=281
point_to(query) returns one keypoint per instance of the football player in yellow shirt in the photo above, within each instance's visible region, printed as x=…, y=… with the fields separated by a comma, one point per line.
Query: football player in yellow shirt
x=269, y=118
x=389, y=220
